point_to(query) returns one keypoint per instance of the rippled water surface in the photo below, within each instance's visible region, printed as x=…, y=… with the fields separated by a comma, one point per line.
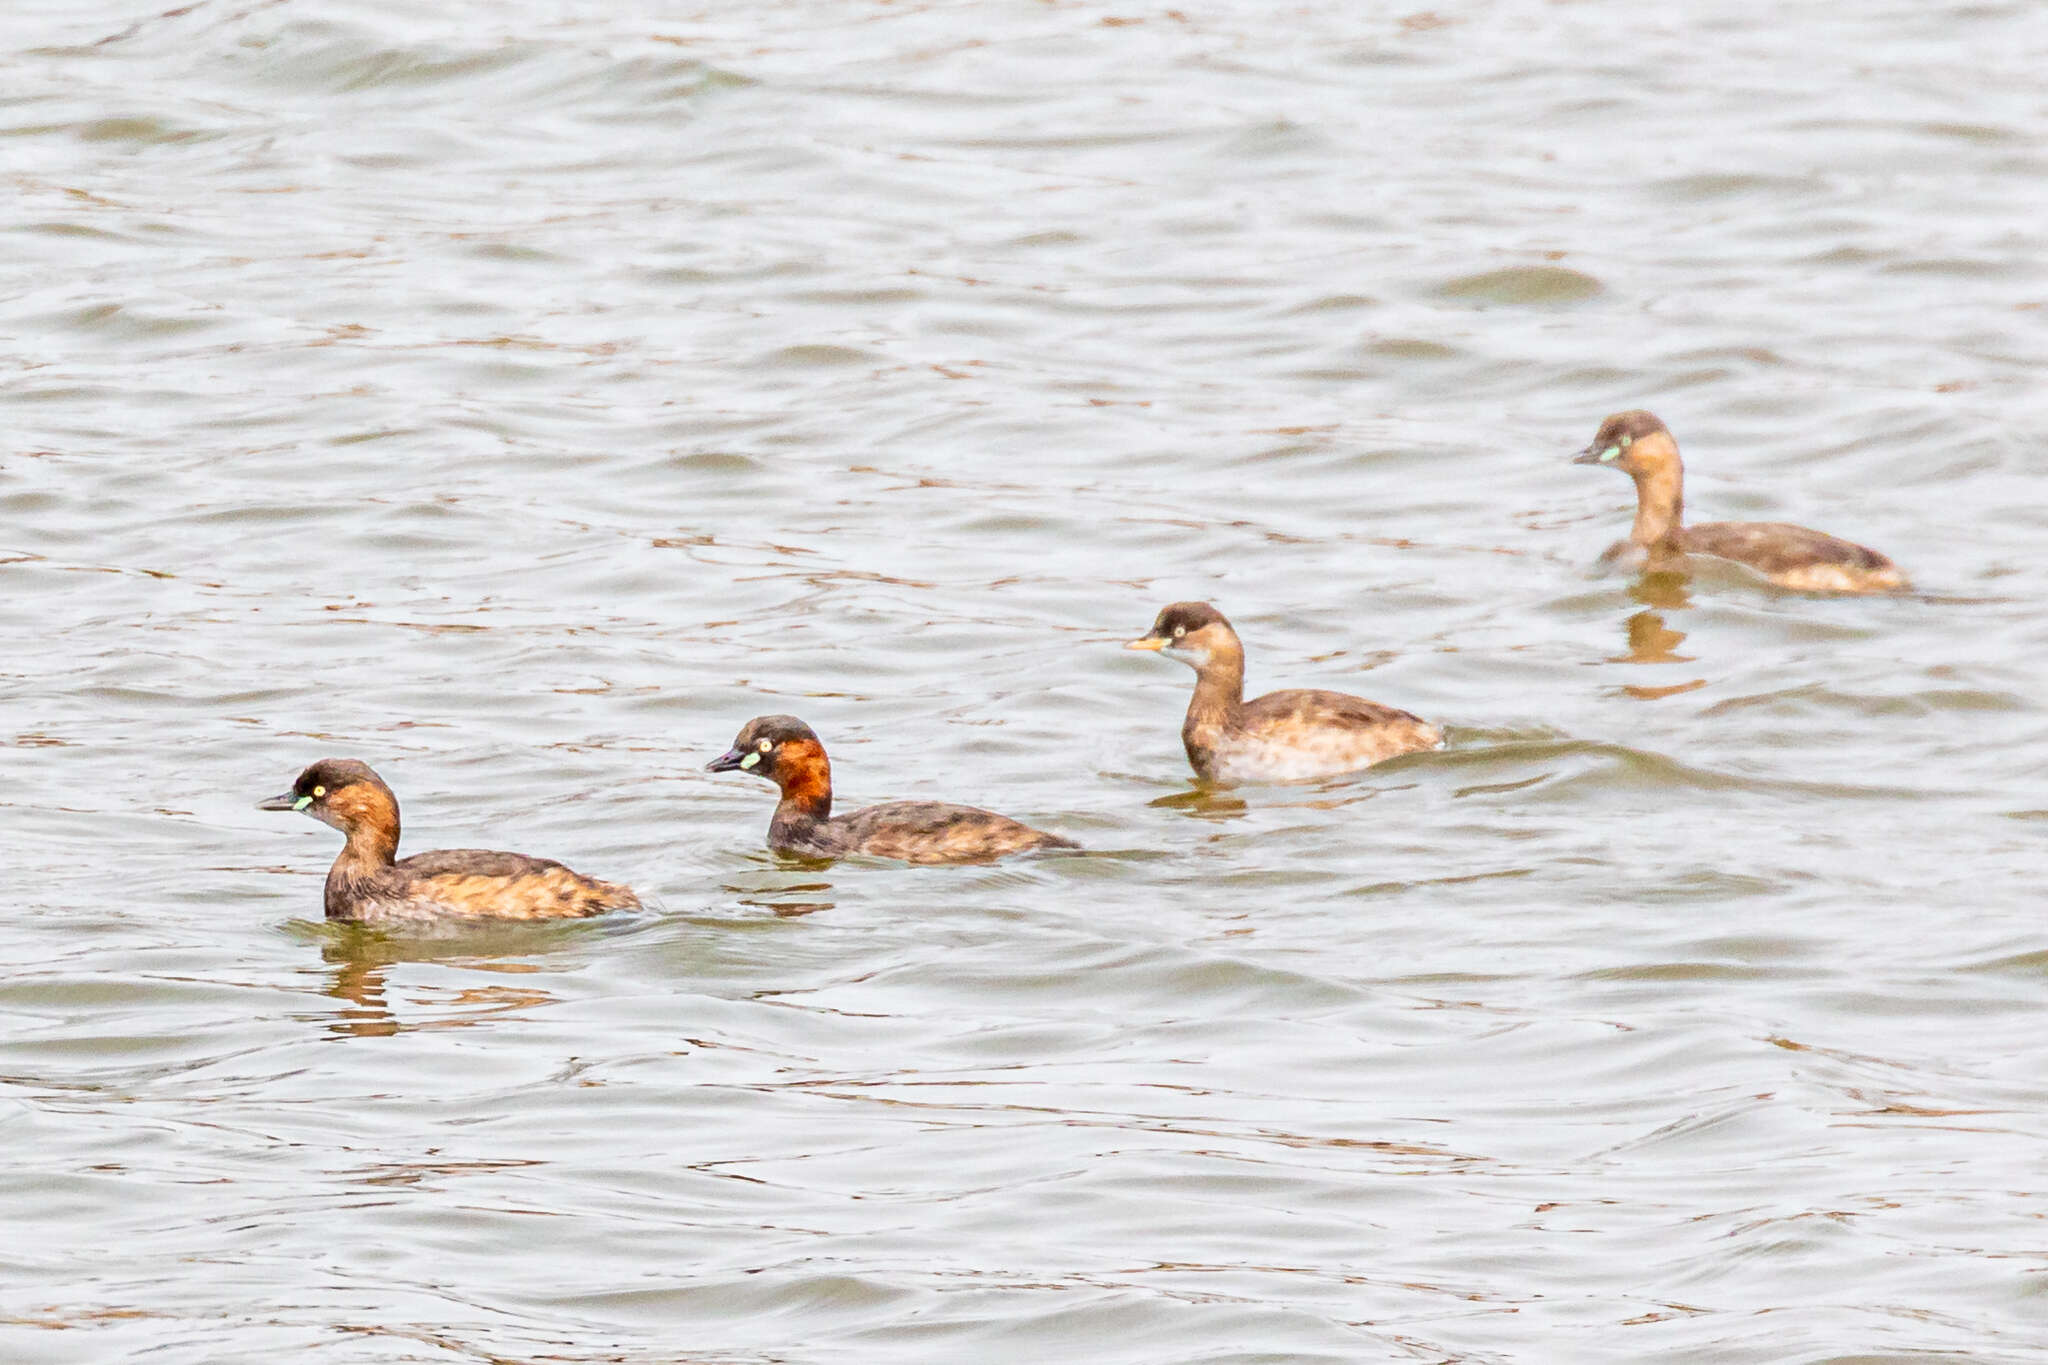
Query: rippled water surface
x=520, y=396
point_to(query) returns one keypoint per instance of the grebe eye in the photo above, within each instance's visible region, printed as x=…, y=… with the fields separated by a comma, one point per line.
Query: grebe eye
x=319, y=791
x=765, y=745
x=1625, y=440
x=1179, y=631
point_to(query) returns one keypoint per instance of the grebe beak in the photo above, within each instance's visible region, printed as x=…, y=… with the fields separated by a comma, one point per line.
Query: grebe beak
x=1597, y=454
x=727, y=762
x=282, y=801
x=1154, y=643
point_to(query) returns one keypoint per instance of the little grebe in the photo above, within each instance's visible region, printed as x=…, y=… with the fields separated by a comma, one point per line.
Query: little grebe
x=1640, y=446
x=785, y=751
x=1293, y=736
x=369, y=884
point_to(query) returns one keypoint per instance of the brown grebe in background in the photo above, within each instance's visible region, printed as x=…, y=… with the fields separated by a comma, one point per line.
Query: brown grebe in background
x=1298, y=735
x=1639, y=445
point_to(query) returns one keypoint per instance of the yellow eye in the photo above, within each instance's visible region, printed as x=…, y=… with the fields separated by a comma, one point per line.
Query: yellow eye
x=319, y=791
x=1179, y=631
x=765, y=745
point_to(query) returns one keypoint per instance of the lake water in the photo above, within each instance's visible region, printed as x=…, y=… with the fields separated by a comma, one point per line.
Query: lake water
x=520, y=396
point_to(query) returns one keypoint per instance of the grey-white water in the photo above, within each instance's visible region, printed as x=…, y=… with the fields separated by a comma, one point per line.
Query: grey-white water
x=520, y=396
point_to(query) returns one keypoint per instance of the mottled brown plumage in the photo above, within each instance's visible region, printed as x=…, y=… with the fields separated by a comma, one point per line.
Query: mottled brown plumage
x=369, y=884
x=785, y=751
x=1298, y=735
x=1790, y=556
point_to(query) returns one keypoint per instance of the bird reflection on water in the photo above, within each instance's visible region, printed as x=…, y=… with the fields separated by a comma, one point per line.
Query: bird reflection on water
x=770, y=898
x=1651, y=640
x=358, y=963
x=1203, y=804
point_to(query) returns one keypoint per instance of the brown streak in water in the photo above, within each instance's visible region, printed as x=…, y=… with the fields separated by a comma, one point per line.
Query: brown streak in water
x=1386, y=542
x=82, y=1317
x=413, y=1173
x=1115, y=1280
x=1670, y=1311
x=1070, y=1119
